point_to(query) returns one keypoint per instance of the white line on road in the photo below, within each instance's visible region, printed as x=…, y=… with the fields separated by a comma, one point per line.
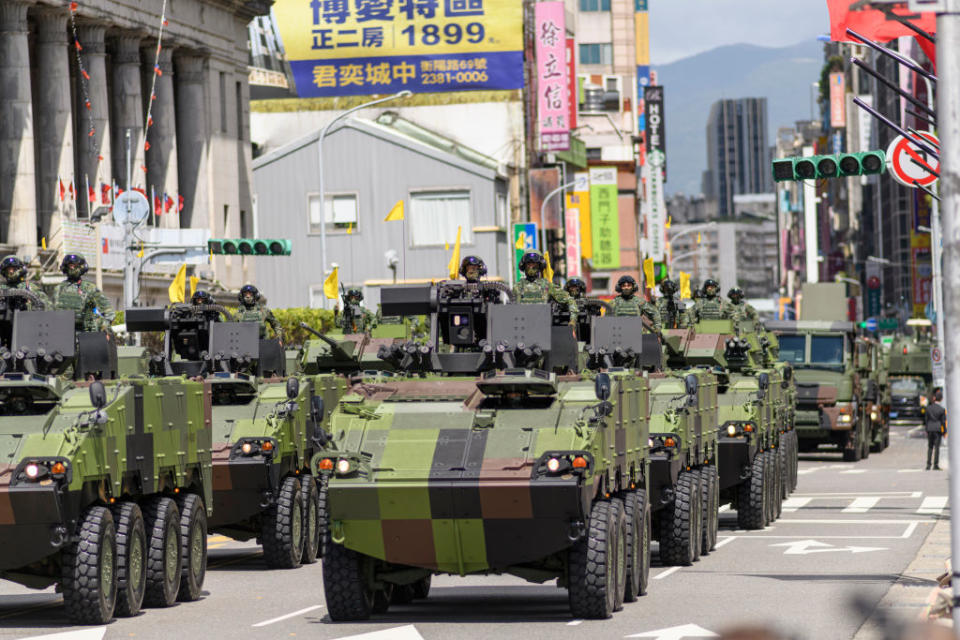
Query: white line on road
x=932, y=505
x=854, y=471
x=288, y=616
x=906, y=494
x=910, y=530
x=804, y=472
x=725, y=541
x=664, y=574
x=574, y=623
x=792, y=504
x=861, y=505
x=909, y=470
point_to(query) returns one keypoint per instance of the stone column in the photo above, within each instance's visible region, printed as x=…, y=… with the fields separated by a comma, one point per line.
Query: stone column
x=93, y=120
x=192, y=138
x=18, y=190
x=54, y=115
x=162, y=137
x=128, y=112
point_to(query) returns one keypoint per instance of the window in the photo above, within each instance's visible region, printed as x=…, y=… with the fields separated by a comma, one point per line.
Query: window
x=826, y=349
x=435, y=216
x=502, y=212
x=601, y=53
x=594, y=5
x=792, y=348
x=340, y=212
x=316, y=296
x=223, y=102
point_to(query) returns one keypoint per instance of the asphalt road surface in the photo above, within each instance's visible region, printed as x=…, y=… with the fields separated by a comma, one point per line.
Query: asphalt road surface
x=848, y=530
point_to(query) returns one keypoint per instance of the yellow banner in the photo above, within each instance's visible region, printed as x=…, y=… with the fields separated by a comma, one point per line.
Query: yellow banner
x=641, y=24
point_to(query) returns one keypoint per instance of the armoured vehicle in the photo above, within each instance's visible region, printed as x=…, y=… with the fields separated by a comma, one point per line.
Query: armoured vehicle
x=873, y=387
x=910, y=376
x=266, y=427
x=106, y=486
x=491, y=453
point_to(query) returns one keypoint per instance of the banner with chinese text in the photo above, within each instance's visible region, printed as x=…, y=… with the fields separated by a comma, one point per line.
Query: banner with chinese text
x=552, y=89
x=361, y=47
x=604, y=218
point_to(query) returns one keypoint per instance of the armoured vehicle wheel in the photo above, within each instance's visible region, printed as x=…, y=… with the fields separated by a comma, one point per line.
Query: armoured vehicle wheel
x=193, y=540
x=783, y=459
x=637, y=512
x=311, y=519
x=164, y=562
x=620, y=523
x=421, y=588
x=344, y=583
x=751, y=497
x=710, y=497
x=698, y=514
x=795, y=458
x=592, y=566
x=853, y=454
x=90, y=569
x=131, y=558
x=776, y=492
x=886, y=440
x=680, y=529
x=283, y=527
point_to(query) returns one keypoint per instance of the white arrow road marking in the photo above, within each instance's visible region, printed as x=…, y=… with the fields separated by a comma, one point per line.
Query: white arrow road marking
x=406, y=632
x=806, y=547
x=288, y=615
x=96, y=633
x=792, y=504
x=676, y=633
x=861, y=505
x=933, y=505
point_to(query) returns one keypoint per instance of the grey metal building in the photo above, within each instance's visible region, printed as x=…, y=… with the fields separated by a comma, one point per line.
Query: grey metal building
x=369, y=167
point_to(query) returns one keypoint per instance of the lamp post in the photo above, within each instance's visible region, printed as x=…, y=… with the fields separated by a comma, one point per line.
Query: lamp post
x=323, y=200
x=679, y=234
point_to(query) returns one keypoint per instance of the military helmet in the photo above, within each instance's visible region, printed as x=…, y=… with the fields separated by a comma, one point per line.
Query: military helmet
x=355, y=293
x=625, y=280
x=668, y=287
x=534, y=257
x=73, y=258
x=709, y=282
x=201, y=297
x=16, y=263
x=472, y=261
x=249, y=288
x=736, y=292
x=576, y=283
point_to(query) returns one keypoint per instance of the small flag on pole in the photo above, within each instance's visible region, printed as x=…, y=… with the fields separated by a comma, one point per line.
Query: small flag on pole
x=453, y=267
x=104, y=193
x=685, y=286
x=648, y=273
x=179, y=203
x=332, y=284
x=61, y=190
x=43, y=243
x=350, y=229
x=177, y=289
x=396, y=213
x=140, y=253
x=547, y=270
x=194, y=281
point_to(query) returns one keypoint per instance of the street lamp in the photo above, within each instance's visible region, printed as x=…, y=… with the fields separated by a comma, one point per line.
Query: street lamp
x=323, y=200
x=693, y=229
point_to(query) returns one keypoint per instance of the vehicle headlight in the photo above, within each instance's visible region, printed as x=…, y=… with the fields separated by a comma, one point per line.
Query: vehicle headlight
x=924, y=401
x=43, y=470
x=731, y=430
x=874, y=416
x=32, y=470
x=845, y=418
x=343, y=466
x=253, y=447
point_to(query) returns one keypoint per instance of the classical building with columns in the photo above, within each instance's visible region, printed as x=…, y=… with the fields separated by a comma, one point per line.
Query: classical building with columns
x=75, y=90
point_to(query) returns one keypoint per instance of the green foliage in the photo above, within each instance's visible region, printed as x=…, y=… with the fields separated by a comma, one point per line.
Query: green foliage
x=290, y=319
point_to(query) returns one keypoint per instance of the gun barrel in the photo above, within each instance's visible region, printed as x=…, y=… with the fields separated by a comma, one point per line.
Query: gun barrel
x=335, y=348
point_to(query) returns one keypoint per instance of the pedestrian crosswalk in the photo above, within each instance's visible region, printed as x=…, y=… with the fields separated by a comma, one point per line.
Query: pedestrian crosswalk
x=909, y=502
x=933, y=505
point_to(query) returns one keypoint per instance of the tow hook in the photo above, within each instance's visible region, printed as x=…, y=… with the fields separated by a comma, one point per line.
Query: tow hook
x=58, y=536
x=577, y=530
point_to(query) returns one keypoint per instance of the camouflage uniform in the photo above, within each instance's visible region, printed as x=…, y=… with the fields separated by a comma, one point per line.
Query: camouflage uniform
x=672, y=314
x=262, y=316
x=540, y=291
x=91, y=308
x=366, y=320
x=634, y=306
x=741, y=311
x=23, y=286
x=709, y=308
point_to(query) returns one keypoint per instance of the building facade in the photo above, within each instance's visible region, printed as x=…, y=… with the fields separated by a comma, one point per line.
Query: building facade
x=738, y=154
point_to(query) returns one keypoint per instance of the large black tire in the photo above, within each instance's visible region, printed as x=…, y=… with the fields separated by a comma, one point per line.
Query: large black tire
x=344, y=585
x=131, y=558
x=592, y=579
x=783, y=459
x=710, y=501
x=421, y=588
x=89, y=579
x=283, y=527
x=680, y=529
x=193, y=543
x=164, y=552
x=776, y=492
x=382, y=598
x=795, y=458
x=636, y=510
x=853, y=454
x=865, y=446
x=752, y=497
x=620, y=551
x=311, y=519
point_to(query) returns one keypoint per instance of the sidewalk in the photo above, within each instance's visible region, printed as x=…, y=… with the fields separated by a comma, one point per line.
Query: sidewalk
x=910, y=597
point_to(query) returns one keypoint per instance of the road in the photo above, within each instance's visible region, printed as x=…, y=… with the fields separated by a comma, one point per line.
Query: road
x=848, y=529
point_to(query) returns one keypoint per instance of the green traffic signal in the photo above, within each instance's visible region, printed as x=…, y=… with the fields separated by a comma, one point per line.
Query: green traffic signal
x=249, y=247
x=838, y=165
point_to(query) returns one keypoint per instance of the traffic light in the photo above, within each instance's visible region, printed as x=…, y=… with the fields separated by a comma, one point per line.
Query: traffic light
x=838, y=165
x=659, y=271
x=249, y=247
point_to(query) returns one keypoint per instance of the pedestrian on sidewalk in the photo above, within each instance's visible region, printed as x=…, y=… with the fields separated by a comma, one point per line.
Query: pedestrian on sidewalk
x=935, y=421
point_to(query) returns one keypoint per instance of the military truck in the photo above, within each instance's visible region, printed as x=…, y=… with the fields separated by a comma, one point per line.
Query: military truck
x=266, y=427
x=481, y=458
x=107, y=483
x=910, y=376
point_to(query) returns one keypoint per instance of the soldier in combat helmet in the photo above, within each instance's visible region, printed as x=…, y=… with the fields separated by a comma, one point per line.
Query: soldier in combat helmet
x=576, y=287
x=739, y=309
x=251, y=310
x=92, y=310
x=628, y=304
x=671, y=312
x=473, y=269
x=354, y=318
x=533, y=288
x=709, y=306
x=15, y=277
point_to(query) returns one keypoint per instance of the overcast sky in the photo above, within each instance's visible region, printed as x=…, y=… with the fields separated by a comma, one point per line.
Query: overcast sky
x=681, y=28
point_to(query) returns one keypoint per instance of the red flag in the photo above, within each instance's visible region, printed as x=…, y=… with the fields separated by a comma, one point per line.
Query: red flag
x=106, y=246
x=77, y=44
x=73, y=6
x=104, y=193
x=929, y=49
x=91, y=194
x=72, y=193
x=146, y=145
x=60, y=183
x=872, y=24
x=157, y=206
x=167, y=203
x=180, y=205
x=150, y=121
x=83, y=72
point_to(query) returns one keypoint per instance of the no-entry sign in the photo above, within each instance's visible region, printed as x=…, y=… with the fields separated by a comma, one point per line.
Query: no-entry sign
x=909, y=164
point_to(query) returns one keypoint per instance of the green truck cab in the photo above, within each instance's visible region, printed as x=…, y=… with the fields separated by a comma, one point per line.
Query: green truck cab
x=910, y=376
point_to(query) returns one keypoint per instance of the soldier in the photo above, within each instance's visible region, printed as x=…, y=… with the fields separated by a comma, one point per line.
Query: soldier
x=738, y=309
x=473, y=269
x=628, y=304
x=252, y=311
x=354, y=318
x=935, y=424
x=709, y=306
x=576, y=287
x=91, y=308
x=15, y=275
x=533, y=288
x=671, y=312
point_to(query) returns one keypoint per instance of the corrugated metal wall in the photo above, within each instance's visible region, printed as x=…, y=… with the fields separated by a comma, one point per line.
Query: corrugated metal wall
x=381, y=169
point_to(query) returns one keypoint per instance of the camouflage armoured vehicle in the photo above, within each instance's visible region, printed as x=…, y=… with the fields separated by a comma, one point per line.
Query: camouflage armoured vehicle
x=785, y=406
x=266, y=427
x=481, y=458
x=873, y=384
x=106, y=484
x=910, y=376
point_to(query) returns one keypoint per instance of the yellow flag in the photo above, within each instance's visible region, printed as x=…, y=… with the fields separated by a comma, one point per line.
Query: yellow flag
x=699, y=238
x=521, y=240
x=648, y=272
x=43, y=243
x=685, y=286
x=668, y=222
x=332, y=284
x=547, y=270
x=177, y=290
x=350, y=229
x=454, y=266
x=194, y=281
x=396, y=213
x=140, y=253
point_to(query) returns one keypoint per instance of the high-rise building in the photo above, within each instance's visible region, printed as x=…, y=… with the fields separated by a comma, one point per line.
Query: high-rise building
x=738, y=155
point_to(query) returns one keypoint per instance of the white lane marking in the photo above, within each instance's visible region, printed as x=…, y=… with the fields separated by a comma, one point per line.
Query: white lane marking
x=664, y=574
x=574, y=623
x=909, y=470
x=803, y=472
x=406, y=632
x=807, y=547
x=861, y=505
x=916, y=494
x=906, y=494
x=854, y=471
x=846, y=521
x=676, y=633
x=723, y=509
x=725, y=541
x=84, y=634
x=791, y=504
x=288, y=616
x=910, y=530
x=933, y=505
